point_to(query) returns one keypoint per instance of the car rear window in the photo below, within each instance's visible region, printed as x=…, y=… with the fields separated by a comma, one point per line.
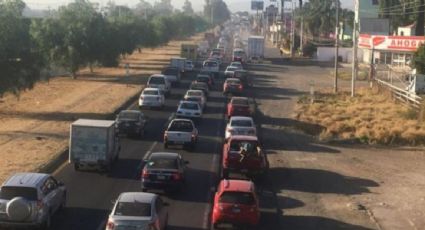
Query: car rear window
x=232, y=68
x=150, y=92
x=244, y=198
x=184, y=126
x=233, y=81
x=128, y=116
x=203, y=79
x=8, y=193
x=191, y=106
x=194, y=93
x=241, y=123
x=211, y=64
x=157, y=80
x=194, y=99
x=239, y=102
x=162, y=163
x=237, y=145
x=133, y=209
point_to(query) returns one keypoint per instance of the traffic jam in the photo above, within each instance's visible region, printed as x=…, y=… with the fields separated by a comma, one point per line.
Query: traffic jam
x=32, y=199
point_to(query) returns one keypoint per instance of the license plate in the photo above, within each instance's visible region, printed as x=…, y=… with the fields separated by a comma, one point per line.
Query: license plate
x=244, y=170
x=236, y=210
x=160, y=177
x=179, y=142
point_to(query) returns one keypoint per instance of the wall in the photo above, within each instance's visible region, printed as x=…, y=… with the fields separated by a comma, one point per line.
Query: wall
x=328, y=54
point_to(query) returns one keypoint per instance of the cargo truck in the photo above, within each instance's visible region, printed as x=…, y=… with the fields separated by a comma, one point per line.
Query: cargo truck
x=255, y=47
x=179, y=63
x=93, y=144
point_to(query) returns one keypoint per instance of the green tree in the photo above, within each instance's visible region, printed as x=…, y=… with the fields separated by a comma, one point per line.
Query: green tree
x=163, y=7
x=419, y=60
x=187, y=8
x=219, y=11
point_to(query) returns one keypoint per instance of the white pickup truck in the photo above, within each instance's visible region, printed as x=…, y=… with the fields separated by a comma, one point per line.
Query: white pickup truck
x=181, y=132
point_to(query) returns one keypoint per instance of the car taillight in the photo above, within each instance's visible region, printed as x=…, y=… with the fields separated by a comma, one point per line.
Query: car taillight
x=193, y=136
x=240, y=87
x=145, y=174
x=165, y=136
x=177, y=176
x=220, y=206
x=110, y=225
x=230, y=130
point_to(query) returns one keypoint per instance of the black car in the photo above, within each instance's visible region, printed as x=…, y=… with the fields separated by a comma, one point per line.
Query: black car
x=244, y=77
x=164, y=171
x=131, y=122
x=211, y=74
x=206, y=79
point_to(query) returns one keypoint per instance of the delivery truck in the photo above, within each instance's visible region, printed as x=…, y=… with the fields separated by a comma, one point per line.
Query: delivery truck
x=255, y=47
x=93, y=144
x=179, y=63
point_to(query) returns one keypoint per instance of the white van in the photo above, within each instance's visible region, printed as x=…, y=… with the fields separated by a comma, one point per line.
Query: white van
x=161, y=82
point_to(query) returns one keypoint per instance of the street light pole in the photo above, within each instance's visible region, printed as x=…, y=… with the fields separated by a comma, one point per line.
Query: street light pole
x=336, y=46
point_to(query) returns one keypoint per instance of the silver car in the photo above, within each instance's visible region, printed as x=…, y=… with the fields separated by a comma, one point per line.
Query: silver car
x=138, y=211
x=30, y=199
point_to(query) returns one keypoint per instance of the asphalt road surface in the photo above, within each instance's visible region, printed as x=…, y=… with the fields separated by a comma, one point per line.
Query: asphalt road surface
x=91, y=194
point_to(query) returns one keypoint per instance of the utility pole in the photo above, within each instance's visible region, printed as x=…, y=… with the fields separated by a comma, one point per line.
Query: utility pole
x=292, y=30
x=355, y=37
x=336, y=46
x=302, y=28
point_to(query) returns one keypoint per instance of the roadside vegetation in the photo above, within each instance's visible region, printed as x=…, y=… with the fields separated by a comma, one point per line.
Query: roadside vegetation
x=80, y=35
x=371, y=117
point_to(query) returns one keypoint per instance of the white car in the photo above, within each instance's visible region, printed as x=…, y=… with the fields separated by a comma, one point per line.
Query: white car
x=189, y=109
x=195, y=93
x=230, y=70
x=239, y=125
x=138, y=210
x=159, y=81
x=152, y=97
x=211, y=66
x=236, y=64
x=189, y=66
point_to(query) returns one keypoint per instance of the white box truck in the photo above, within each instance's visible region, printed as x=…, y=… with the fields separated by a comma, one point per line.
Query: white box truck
x=255, y=47
x=93, y=144
x=178, y=62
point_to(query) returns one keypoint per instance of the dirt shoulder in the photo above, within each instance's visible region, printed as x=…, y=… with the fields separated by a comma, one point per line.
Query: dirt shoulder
x=35, y=127
x=322, y=186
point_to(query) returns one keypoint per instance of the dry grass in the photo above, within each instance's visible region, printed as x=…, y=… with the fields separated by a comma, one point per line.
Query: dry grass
x=370, y=117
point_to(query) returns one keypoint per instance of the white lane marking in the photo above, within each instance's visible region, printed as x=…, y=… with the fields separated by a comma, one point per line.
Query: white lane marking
x=145, y=157
x=102, y=225
x=213, y=167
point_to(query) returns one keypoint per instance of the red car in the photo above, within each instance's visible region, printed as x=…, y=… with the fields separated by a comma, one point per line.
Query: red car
x=236, y=203
x=238, y=106
x=233, y=86
x=243, y=155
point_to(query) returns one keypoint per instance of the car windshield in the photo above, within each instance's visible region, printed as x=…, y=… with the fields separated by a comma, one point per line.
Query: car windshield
x=233, y=82
x=241, y=123
x=151, y=92
x=159, y=162
x=194, y=93
x=128, y=116
x=239, y=101
x=8, y=193
x=238, y=53
x=157, y=80
x=202, y=79
x=231, y=68
x=211, y=64
x=197, y=86
x=190, y=106
x=244, y=198
x=184, y=126
x=133, y=209
x=170, y=72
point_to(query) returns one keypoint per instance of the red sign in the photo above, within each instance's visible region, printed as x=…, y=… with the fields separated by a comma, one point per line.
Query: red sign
x=399, y=43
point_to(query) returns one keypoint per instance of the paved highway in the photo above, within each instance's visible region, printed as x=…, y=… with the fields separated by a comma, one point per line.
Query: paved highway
x=91, y=194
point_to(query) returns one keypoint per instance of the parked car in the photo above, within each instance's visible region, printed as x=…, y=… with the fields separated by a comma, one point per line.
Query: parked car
x=189, y=109
x=243, y=155
x=239, y=125
x=189, y=67
x=236, y=203
x=131, y=122
x=152, y=97
x=30, y=200
x=238, y=106
x=232, y=86
x=230, y=70
x=164, y=171
x=206, y=79
x=138, y=210
x=161, y=82
x=181, y=132
x=172, y=74
x=200, y=86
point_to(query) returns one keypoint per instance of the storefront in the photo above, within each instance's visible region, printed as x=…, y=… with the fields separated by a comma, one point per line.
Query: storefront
x=396, y=51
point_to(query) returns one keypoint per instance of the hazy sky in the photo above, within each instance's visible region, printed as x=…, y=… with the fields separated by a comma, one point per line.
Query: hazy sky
x=234, y=5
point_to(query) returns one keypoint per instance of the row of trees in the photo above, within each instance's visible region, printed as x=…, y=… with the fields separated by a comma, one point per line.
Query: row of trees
x=79, y=35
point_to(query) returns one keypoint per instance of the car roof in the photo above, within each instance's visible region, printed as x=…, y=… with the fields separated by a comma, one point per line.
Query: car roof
x=164, y=155
x=241, y=118
x=239, y=98
x=244, y=138
x=237, y=185
x=181, y=119
x=194, y=90
x=141, y=197
x=157, y=75
x=26, y=179
x=233, y=79
x=153, y=89
x=93, y=123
